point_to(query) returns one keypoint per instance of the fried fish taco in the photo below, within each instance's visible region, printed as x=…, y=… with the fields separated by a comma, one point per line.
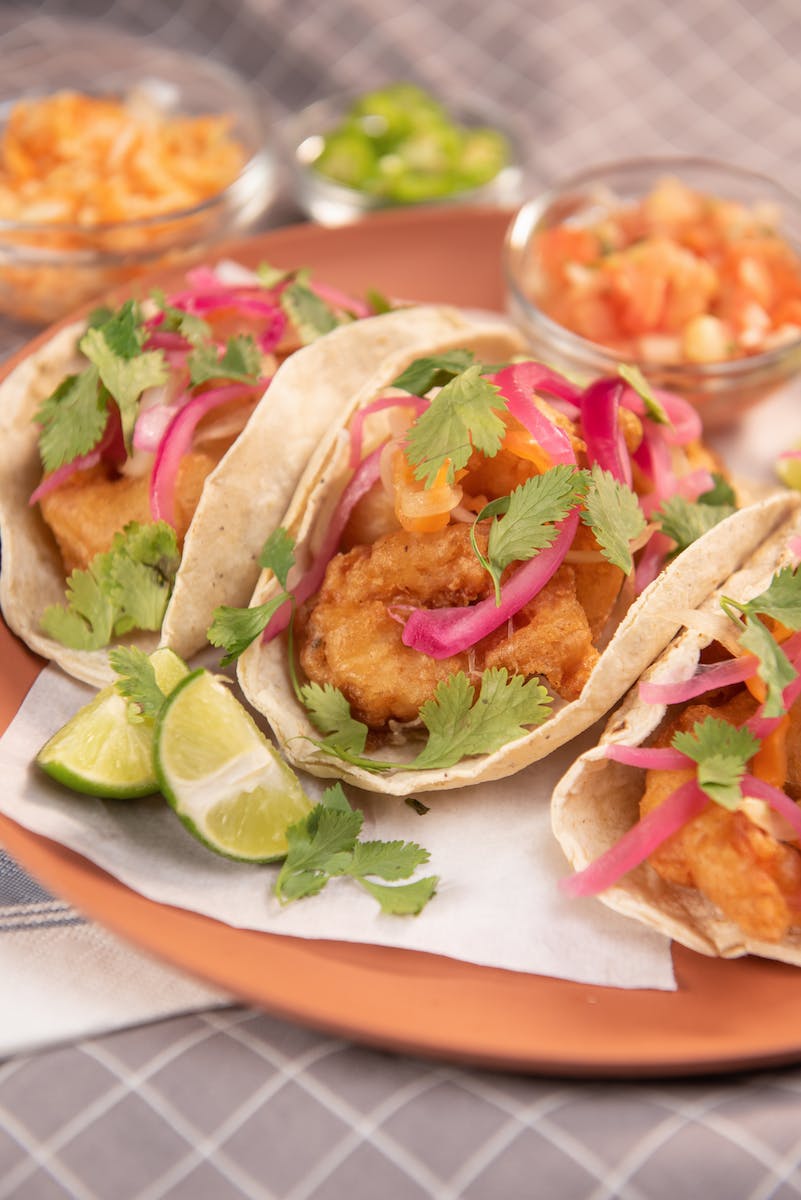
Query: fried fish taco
x=686, y=815
x=147, y=454
x=476, y=567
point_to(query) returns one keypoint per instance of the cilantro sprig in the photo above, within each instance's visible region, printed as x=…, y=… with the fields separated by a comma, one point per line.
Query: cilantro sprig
x=459, y=723
x=136, y=682
x=780, y=602
x=721, y=752
x=325, y=845
x=127, y=587
x=530, y=516
x=240, y=362
x=463, y=416
x=684, y=521
x=234, y=629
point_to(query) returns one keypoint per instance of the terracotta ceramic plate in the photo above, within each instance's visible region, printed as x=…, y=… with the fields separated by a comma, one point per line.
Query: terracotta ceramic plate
x=725, y=1015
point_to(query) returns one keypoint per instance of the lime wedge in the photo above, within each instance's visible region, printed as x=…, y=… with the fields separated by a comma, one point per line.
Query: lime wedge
x=100, y=752
x=222, y=776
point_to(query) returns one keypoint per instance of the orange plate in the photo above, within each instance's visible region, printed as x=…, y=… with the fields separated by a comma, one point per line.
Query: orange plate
x=725, y=1015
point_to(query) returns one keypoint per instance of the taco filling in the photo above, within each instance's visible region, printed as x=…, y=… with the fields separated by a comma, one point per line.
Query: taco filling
x=495, y=525
x=159, y=394
x=721, y=778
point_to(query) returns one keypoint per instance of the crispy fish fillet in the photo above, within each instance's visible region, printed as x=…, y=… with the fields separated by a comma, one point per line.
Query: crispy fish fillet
x=752, y=877
x=350, y=636
x=91, y=506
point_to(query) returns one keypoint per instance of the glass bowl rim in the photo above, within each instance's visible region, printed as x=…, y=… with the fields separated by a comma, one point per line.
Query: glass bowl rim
x=521, y=227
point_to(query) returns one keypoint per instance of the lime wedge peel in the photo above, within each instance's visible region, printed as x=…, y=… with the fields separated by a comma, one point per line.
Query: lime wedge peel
x=100, y=752
x=221, y=775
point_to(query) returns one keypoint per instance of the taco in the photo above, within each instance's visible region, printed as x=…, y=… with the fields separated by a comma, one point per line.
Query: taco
x=141, y=446
x=686, y=815
x=476, y=567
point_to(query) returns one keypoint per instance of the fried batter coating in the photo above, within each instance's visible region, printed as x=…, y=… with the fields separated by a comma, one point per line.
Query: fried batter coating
x=350, y=638
x=91, y=506
x=753, y=878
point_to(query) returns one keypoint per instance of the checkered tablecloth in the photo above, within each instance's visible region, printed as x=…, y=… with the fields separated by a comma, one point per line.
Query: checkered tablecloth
x=160, y=1092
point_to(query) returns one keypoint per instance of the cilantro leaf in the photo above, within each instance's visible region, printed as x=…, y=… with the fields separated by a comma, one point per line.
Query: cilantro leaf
x=613, y=512
x=309, y=314
x=122, y=332
x=721, y=493
x=125, y=369
x=529, y=521
x=457, y=727
x=124, y=588
x=434, y=371
x=781, y=600
x=404, y=900
x=325, y=844
x=721, y=752
x=278, y=554
x=379, y=303
x=87, y=620
x=685, y=520
x=463, y=416
x=177, y=320
x=775, y=669
x=241, y=362
x=636, y=380
x=137, y=679
x=234, y=629
x=387, y=860
x=330, y=712
x=73, y=419
x=271, y=277
x=319, y=845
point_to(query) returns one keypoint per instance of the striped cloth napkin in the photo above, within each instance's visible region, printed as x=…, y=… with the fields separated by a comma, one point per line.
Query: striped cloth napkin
x=65, y=978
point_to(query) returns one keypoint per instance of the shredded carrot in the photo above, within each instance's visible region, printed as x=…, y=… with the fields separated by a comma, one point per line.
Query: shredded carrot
x=76, y=159
x=770, y=761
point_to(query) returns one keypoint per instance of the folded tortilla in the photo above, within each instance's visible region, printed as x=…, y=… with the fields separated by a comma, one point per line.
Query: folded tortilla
x=647, y=627
x=242, y=500
x=597, y=800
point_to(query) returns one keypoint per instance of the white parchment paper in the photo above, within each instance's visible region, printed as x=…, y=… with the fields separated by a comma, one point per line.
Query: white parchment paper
x=498, y=902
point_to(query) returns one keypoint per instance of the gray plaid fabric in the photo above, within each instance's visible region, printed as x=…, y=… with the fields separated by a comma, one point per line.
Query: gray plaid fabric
x=239, y=1104
x=26, y=905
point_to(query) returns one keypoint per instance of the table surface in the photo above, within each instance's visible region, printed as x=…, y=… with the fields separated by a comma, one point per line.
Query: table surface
x=231, y=1102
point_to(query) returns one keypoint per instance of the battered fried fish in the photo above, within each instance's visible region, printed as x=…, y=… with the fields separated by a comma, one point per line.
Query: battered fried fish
x=752, y=876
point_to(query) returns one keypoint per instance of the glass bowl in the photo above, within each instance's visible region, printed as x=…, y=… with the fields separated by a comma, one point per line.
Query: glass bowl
x=50, y=266
x=331, y=202
x=721, y=389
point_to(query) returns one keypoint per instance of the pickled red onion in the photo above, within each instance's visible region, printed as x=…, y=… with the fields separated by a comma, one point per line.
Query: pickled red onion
x=366, y=475
x=637, y=843
x=712, y=675
x=685, y=423
x=151, y=425
x=110, y=447
x=516, y=383
x=340, y=300
x=176, y=442
x=357, y=424
x=442, y=632
x=650, y=758
x=601, y=429
x=651, y=561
